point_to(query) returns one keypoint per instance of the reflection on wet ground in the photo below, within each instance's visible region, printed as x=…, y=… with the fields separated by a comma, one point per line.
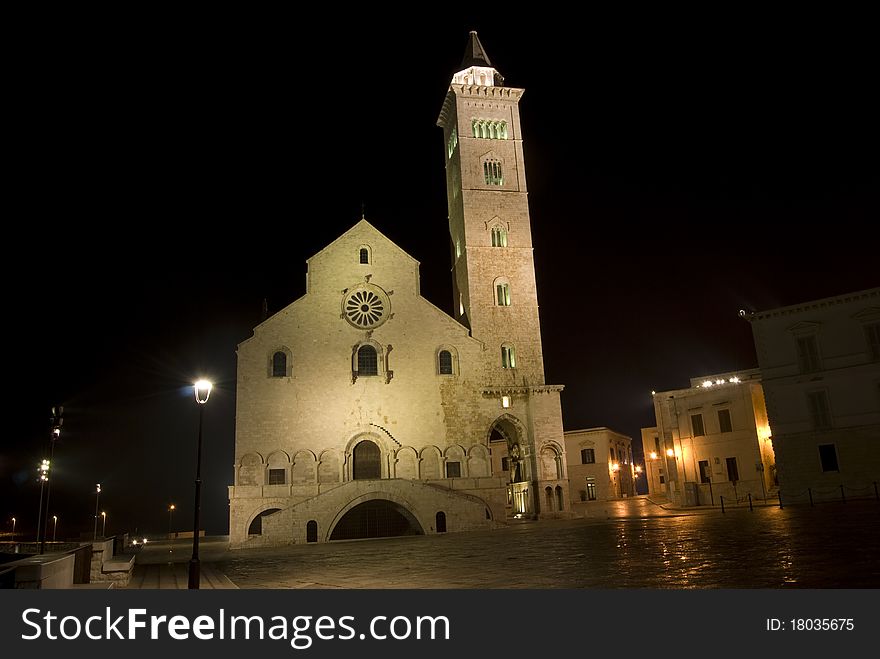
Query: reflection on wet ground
x=829, y=546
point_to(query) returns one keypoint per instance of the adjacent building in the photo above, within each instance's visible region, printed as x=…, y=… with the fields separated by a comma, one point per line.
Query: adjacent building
x=820, y=363
x=600, y=465
x=363, y=410
x=712, y=439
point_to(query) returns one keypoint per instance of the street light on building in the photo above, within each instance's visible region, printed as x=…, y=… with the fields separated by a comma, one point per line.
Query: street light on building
x=97, y=498
x=202, y=390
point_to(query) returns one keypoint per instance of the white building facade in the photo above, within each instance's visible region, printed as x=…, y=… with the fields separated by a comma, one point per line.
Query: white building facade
x=600, y=466
x=365, y=411
x=820, y=362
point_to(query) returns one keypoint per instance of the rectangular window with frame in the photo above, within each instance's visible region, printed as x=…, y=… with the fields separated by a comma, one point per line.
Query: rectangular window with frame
x=732, y=470
x=591, y=489
x=820, y=411
x=453, y=470
x=724, y=421
x=276, y=477
x=808, y=353
x=657, y=445
x=588, y=456
x=697, y=425
x=828, y=457
x=705, y=473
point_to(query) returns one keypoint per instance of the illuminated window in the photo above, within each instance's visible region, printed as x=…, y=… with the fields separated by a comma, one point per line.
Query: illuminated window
x=591, y=489
x=820, y=411
x=697, y=425
x=445, y=362
x=453, y=470
x=276, y=477
x=364, y=255
x=828, y=457
x=872, y=334
x=724, y=421
x=588, y=456
x=368, y=361
x=502, y=294
x=508, y=357
x=489, y=129
x=279, y=365
x=499, y=237
x=453, y=142
x=808, y=353
x=492, y=172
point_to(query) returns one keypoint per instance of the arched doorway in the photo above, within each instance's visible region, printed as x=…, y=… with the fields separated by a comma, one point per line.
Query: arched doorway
x=312, y=531
x=440, y=519
x=256, y=527
x=378, y=518
x=367, y=461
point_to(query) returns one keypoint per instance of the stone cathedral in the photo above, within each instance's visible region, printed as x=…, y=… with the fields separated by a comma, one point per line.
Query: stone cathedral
x=365, y=411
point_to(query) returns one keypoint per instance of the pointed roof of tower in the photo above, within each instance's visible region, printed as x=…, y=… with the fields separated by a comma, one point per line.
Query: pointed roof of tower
x=474, y=53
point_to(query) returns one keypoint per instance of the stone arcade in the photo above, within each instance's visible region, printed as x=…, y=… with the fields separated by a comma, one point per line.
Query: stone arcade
x=365, y=411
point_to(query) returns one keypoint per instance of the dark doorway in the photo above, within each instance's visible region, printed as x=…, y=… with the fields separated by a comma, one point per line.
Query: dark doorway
x=312, y=531
x=376, y=519
x=367, y=463
x=441, y=522
x=732, y=471
x=705, y=474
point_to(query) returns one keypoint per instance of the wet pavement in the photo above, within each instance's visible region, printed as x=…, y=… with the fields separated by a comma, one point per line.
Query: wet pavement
x=629, y=544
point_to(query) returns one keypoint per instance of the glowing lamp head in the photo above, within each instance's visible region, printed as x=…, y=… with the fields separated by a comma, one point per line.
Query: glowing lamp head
x=99, y=488
x=707, y=383
x=653, y=455
x=55, y=517
x=103, y=514
x=670, y=452
x=172, y=507
x=202, y=390
x=615, y=467
x=638, y=469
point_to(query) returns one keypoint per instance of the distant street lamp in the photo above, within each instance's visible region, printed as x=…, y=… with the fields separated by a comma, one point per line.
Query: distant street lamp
x=57, y=420
x=55, y=528
x=104, y=527
x=13, y=530
x=97, y=497
x=170, y=537
x=202, y=390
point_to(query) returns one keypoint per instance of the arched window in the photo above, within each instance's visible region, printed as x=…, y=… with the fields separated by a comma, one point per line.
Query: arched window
x=368, y=361
x=440, y=519
x=279, y=365
x=499, y=237
x=508, y=356
x=364, y=255
x=367, y=461
x=548, y=492
x=445, y=362
x=559, y=498
x=312, y=531
x=492, y=172
x=502, y=294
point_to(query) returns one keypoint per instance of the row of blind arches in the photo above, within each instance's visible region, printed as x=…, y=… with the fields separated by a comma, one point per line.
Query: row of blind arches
x=368, y=361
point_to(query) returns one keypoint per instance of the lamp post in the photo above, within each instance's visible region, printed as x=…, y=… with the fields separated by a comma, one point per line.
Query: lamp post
x=170, y=537
x=652, y=456
x=13, y=530
x=202, y=390
x=104, y=527
x=55, y=528
x=57, y=421
x=97, y=498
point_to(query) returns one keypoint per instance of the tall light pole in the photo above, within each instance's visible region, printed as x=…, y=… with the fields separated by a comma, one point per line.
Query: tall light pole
x=57, y=420
x=97, y=497
x=202, y=390
x=55, y=528
x=43, y=477
x=652, y=456
x=13, y=530
x=170, y=537
x=104, y=527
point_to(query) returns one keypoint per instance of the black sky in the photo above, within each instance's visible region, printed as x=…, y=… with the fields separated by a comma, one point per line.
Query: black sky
x=164, y=183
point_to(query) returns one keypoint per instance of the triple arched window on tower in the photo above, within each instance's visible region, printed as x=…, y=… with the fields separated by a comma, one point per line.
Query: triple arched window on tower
x=490, y=129
x=499, y=236
x=492, y=173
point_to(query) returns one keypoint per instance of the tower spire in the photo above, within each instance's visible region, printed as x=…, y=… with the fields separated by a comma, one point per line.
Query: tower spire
x=474, y=53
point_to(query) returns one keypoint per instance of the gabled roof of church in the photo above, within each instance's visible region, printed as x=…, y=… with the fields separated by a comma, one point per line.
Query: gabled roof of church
x=361, y=224
x=474, y=53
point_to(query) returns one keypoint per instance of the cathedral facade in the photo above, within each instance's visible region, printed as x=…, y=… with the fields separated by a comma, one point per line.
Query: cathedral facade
x=363, y=410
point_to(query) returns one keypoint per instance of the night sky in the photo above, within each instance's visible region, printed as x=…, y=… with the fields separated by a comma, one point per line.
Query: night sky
x=164, y=184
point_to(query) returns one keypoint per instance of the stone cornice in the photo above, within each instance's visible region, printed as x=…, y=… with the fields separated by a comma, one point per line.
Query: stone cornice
x=514, y=390
x=870, y=294
x=475, y=91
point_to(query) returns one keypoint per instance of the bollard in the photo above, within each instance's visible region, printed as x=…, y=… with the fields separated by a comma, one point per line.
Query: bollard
x=842, y=495
x=810, y=492
x=750, y=502
x=780, y=499
x=722, y=503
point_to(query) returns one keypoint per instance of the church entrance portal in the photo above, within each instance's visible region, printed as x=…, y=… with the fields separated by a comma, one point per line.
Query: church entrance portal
x=367, y=461
x=378, y=518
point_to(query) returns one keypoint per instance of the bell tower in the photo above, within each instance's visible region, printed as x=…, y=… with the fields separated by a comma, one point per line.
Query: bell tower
x=493, y=268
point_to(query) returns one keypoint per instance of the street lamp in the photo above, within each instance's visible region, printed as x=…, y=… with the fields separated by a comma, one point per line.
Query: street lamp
x=170, y=537
x=55, y=528
x=202, y=390
x=57, y=420
x=97, y=497
x=13, y=530
x=653, y=457
x=104, y=527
